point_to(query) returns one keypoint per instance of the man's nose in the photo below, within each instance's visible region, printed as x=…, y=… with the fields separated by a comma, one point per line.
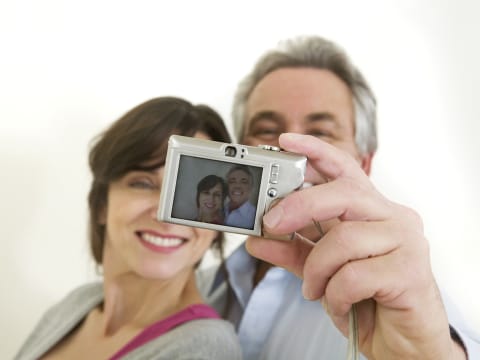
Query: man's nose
x=294, y=127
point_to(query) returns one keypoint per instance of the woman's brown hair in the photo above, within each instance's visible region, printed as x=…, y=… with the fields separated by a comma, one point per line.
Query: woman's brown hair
x=141, y=137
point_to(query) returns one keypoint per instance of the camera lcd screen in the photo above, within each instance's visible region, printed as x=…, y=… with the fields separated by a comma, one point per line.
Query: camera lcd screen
x=216, y=192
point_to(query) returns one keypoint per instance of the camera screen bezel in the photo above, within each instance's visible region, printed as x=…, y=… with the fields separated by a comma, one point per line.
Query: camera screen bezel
x=170, y=186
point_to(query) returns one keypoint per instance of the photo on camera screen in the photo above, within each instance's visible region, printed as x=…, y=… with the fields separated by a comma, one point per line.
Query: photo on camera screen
x=216, y=192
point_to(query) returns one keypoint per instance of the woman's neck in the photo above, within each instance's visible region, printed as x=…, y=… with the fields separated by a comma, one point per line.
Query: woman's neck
x=211, y=217
x=133, y=301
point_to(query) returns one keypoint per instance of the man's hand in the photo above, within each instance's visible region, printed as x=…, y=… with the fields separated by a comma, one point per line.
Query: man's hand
x=374, y=254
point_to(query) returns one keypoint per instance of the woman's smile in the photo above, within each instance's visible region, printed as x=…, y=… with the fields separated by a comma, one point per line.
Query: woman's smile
x=159, y=240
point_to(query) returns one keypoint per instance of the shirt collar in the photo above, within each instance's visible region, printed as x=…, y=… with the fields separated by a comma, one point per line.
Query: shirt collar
x=241, y=268
x=244, y=209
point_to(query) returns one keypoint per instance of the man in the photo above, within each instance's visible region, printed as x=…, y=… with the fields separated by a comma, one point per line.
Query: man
x=372, y=252
x=239, y=211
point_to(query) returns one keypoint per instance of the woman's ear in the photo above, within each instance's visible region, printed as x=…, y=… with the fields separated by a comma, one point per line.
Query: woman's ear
x=102, y=216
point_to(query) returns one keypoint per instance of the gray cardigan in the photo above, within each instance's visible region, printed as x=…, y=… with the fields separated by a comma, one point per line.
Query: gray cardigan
x=201, y=339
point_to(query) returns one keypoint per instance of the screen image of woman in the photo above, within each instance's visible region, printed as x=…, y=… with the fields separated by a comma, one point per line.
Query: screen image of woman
x=211, y=194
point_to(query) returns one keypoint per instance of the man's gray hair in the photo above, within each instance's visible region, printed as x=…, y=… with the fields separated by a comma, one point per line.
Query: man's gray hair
x=314, y=52
x=243, y=168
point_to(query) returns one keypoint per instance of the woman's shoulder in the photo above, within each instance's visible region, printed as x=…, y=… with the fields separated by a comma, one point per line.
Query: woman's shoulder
x=218, y=334
x=60, y=318
x=212, y=339
x=78, y=300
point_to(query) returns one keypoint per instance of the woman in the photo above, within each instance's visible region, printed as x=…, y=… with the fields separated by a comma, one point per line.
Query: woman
x=211, y=193
x=148, y=305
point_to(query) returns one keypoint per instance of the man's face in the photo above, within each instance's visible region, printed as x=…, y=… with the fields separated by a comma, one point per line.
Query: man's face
x=306, y=101
x=239, y=187
x=301, y=100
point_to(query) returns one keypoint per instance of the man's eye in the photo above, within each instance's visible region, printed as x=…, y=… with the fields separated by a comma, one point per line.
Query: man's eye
x=321, y=134
x=265, y=132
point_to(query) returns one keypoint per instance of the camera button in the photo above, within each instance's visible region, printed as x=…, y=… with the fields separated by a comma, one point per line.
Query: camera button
x=272, y=192
x=274, y=174
x=269, y=147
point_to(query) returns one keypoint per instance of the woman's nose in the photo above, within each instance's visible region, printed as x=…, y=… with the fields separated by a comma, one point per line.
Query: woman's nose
x=154, y=209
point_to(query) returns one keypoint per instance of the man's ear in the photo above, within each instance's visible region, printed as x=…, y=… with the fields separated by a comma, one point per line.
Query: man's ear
x=366, y=163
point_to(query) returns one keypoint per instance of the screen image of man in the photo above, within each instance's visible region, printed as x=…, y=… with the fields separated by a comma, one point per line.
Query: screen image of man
x=239, y=211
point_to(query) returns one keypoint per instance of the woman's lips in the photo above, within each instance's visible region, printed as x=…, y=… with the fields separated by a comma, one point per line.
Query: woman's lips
x=161, y=243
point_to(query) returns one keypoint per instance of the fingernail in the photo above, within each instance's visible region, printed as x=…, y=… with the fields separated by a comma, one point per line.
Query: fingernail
x=273, y=217
x=324, y=304
x=306, y=292
x=292, y=136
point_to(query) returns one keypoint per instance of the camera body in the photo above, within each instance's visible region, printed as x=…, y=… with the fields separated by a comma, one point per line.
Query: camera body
x=225, y=187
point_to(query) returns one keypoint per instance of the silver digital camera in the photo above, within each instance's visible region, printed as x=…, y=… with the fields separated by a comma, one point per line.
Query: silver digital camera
x=225, y=187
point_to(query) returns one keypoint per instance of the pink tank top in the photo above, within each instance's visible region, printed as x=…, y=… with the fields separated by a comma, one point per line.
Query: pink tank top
x=196, y=311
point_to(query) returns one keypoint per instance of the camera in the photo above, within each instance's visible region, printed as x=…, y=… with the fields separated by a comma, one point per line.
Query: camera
x=225, y=187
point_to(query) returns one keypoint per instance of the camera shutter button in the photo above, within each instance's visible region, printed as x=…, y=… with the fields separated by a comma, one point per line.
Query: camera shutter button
x=269, y=147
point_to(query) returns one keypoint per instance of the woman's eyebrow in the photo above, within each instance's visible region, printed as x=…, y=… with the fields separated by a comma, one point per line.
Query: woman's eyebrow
x=151, y=168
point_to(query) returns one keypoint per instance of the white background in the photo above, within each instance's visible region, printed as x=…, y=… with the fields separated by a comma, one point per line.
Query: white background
x=68, y=69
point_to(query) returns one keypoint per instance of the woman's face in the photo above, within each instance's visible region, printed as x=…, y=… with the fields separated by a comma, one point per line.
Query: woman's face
x=136, y=242
x=210, y=201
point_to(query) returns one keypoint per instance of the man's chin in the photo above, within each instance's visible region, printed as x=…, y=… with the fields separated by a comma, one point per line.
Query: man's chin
x=236, y=204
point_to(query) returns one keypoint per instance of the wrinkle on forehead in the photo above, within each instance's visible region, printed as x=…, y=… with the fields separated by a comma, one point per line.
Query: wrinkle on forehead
x=299, y=94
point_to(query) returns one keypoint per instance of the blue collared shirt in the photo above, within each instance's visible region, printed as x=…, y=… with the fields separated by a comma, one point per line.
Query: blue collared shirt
x=243, y=216
x=274, y=321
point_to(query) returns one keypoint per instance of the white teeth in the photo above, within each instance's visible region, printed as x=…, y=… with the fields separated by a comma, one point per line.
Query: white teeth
x=161, y=241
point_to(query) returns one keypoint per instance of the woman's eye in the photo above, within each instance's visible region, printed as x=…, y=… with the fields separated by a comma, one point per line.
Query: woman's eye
x=142, y=184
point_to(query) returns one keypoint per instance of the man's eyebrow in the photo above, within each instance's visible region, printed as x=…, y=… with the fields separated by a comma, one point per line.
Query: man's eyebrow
x=321, y=116
x=266, y=115
x=274, y=116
